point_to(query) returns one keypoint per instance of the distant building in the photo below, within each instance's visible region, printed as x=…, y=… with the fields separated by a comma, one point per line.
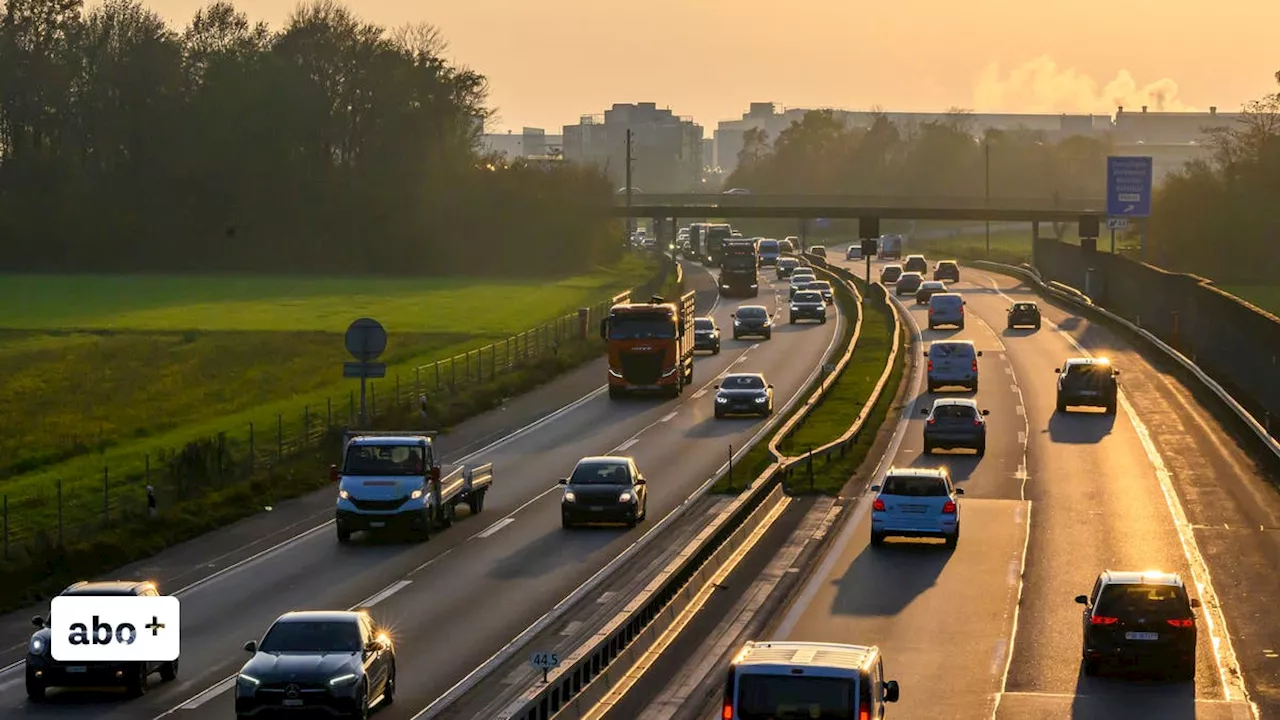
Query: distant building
x=666, y=148
x=532, y=143
x=1170, y=139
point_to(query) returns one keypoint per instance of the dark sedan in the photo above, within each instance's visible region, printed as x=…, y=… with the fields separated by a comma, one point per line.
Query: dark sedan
x=948, y=270
x=1087, y=382
x=1139, y=617
x=1024, y=314
x=604, y=489
x=706, y=336
x=786, y=266
x=823, y=287
x=744, y=394
x=890, y=274
x=808, y=305
x=332, y=662
x=928, y=289
x=752, y=321
x=909, y=283
x=955, y=424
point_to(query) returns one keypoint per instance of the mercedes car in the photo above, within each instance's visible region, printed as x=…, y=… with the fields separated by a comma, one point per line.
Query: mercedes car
x=744, y=394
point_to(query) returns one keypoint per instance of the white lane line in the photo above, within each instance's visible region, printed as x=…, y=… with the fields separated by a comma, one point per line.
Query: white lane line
x=494, y=528
x=997, y=656
x=624, y=446
x=1008, y=370
x=1013, y=387
x=1022, y=438
x=667, y=417
x=207, y=695
x=388, y=592
x=699, y=394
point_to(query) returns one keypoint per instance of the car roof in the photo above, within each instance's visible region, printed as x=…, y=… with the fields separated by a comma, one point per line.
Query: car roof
x=909, y=257
x=944, y=296
x=757, y=375
x=752, y=307
x=788, y=259
x=935, y=282
x=1141, y=577
x=707, y=319
x=1024, y=302
x=890, y=266
x=916, y=472
x=946, y=262
x=952, y=343
x=913, y=272
x=851, y=657
x=109, y=587
x=321, y=616
x=605, y=460
x=820, y=282
x=808, y=293
x=963, y=402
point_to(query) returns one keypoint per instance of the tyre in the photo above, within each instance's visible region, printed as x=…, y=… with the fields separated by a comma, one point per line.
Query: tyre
x=791, y=320
x=877, y=539
x=1010, y=327
x=1183, y=670
x=1062, y=405
x=928, y=449
x=344, y=535
x=565, y=523
x=823, y=321
x=389, y=692
x=473, y=503
x=35, y=688
x=138, y=685
x=717, y=350
x=973, y=387
x=615, y=393
x=735, y=336
x=953, y=540
x=1111, y=407
x=362, y=702
x=644, y=509
x=768, y=335
x=960, y=325
x=982, y=449
x=931, y=326
x=169, y=671
x=1037, y=324
x=1089, y=666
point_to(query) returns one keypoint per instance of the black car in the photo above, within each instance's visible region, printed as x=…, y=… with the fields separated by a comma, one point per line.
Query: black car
x=1022, y=314
x=328, y=661
x=604, y=489
x=1087, y=382
x=916, y=263
x=928, y=289
x=808, y=305
x=752, y=321
x=909, y=283
x=786, y=266
x=948, y=270
x=744, y=394
x=43, y=672
x=706, y=336
x=890, y=274
x=824, y=288
x=955, y=425
x=1133, y=618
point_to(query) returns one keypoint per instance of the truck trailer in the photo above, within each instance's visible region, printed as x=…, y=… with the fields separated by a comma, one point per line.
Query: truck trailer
x=393, y=480
x=650, y=346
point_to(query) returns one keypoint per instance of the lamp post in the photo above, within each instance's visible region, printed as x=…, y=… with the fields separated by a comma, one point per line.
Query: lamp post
x=986, y=162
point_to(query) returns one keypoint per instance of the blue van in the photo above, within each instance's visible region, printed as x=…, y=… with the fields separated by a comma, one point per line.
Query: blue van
x=768, y=251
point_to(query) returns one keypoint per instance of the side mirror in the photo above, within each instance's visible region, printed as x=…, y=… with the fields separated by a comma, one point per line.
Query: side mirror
x=434, y=473
x=334, y=474
x=1082, y=599
x=770, y=387
x=875, y=488
x=926, y=353
x=733, y=315
x=715, y=387
x=924, y=411
x=38, y=621
x=958, y=491
x=1058, y=370
x=251, y=646
x=563, y=481
x=1115, y=372
x=891, y=691
x=986, y=413
x=641, y=481
x=375, y=645
x=979, y=353
x=1195, y=602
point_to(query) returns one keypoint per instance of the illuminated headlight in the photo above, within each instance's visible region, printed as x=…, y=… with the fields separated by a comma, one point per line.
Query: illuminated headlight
x=754, y=285
x=249, y=680
x=762, y=399
x=736, y=322
x=415, y=494
x=37, y=646
x=671, y=372
x=344, y=494
x=724, y=287
x=341, y=680
x=569, y=496
x=721, y=399
x=625, y=496
x=795, y=308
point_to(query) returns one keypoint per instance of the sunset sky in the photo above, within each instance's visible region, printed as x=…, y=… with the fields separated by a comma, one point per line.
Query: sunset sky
x=552, y=61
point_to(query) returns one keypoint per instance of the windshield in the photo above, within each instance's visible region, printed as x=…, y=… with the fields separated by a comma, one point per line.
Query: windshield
x=893, y=270
x=1024, y=307
x=703, y=324
x=384, y=460
x=946, y=265
x=945, y=300
x=932, y=285
x=327, y=636
x=808, y=297
x=739, y=262
x=769, y=246
x=752, y=313
x=941, y=350
x=642, y=327
x=1088, y=371
x=908, y=486
x=954, y=412
x=601, y=474
x=742, y=382
x=819, y=285
x=1160, y=602
x=786, y=697
x=788, y=263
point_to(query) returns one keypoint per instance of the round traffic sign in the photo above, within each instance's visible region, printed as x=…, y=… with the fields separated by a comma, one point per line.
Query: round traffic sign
x=366, y=339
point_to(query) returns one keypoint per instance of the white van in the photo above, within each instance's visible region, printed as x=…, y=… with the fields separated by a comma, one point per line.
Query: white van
x=806, y=680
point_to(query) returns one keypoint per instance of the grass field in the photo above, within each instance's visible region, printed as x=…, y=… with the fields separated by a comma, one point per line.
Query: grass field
x=97, y=369
x=1266, y=297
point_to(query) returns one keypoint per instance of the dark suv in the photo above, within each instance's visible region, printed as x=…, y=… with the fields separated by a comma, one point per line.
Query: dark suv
x=1022, y=314
x=1135, y=617
x=948, y=270
x=43, y=672
x=916, y=263
x=706, y=336
x=1087, y=382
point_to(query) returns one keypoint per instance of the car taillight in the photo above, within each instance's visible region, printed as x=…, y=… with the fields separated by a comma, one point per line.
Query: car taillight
x=864, y=714
x=728, y=711
x=1102, y=620
x=878, y=505
x=949, y=508
x=977, y=421
x=930, y=366
x=1182, y=623
x=931, y=421
x=975, y=366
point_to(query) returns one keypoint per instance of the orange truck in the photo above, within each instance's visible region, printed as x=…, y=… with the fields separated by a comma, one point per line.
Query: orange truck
x=650, y=346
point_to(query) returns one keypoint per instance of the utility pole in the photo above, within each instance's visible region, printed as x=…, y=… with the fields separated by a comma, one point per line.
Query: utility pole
x=986, y=157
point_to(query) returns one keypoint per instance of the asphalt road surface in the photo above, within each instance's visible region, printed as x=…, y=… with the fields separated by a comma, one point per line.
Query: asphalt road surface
x=456, y=600
x=991, y=629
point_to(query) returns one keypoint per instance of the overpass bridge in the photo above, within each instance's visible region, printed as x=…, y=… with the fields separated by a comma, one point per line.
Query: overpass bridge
x=692, y=206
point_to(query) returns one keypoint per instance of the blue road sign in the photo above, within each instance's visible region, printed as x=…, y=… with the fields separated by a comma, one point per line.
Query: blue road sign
x=1129, y=186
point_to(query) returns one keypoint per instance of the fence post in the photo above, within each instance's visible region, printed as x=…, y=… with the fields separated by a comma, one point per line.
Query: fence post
x=106, y=496
x=251, y=458
x=279, y=436
x=59, y=511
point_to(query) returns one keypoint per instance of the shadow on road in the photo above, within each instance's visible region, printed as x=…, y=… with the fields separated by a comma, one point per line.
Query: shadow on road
x=1080, y=426
x=882, y=581
x=1119, y=696
x=960, y=466
x=556, y=549
x=713, y=428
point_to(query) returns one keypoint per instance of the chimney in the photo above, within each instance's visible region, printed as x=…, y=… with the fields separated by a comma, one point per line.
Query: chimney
x=1144, y=108
x=1213, y=109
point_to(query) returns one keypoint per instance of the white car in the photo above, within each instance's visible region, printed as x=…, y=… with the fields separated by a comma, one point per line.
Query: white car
x=916, y=503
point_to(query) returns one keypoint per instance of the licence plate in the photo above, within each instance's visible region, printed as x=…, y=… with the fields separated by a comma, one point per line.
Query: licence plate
x=1088, y=393
x=77, y=669
x=377, y=524
x=1141, y=636
x=292, y=703
x=596, y=508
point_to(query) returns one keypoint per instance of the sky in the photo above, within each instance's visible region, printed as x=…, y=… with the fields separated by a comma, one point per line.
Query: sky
x=550, y=62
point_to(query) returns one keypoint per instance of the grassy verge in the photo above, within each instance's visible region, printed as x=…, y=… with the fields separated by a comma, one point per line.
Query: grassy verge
x=1266, y=297
x=211, y=484
x=830, y=419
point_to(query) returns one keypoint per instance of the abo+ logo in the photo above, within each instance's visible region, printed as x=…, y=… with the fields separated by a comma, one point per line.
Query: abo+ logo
x=121, y=628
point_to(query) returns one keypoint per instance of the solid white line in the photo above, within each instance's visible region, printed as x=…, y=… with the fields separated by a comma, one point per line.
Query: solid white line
x=1021, y=410
x=388, y=592
x=489, y=531
x=667, y=417
x=627, y=444
x=207, y=695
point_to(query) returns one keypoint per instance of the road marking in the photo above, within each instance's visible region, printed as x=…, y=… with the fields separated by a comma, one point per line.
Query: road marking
x=698, y=394
x=207, y=695
x=627, y=444
x=1008, y=370
x=1013, y=388
x=489, y=531
x=1022, y=438
x=667, y=417
x=1022, y=411
x=997, y=657
x=388, y=592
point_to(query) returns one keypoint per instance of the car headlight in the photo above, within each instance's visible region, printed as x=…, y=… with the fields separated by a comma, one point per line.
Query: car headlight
x=736, y=322
x=795, y=308
x=37, y=646
x=415, y=494
x=344, y=494
x=721, y=399
x=762, y=399
x=569, y=496
x=625, y=496
x=345, y=679
x=249, y=680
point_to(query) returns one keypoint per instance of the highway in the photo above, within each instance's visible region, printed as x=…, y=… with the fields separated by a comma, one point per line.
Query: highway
x=453, y=602
x=991, y=629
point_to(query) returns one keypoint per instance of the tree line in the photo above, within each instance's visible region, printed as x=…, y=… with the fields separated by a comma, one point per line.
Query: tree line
x=1219, y=217
x=330, y=145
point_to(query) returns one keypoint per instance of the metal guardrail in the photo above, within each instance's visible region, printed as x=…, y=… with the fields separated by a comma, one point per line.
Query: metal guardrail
x=574, y=687
x=1232, y=404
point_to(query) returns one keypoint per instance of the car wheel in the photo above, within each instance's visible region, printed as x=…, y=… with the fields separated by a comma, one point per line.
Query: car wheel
x=1062, y=405
x=362, y=702
x=928, y=449
x=615, y=393
x=1010, y=327
x=1089, y=666
x=974, y=386
x=768, y=335
x=960, y=325
x=930, y=326
x=138, y=685
x=823, y=320
x=169, y=671
x=1184, y=670
x=389, y=692
x=1037, y=324
x=735, y=336
x=565, y=523
x=877, y=539
x=953, y=539
x=1111, y=407
x=35, y=688
x=717, y=350
x=644, y=509
x=982, y=449
x=791, y=320
x=344, y=535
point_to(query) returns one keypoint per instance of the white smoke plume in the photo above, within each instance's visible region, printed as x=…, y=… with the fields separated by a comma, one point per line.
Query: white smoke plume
x=1042, y=86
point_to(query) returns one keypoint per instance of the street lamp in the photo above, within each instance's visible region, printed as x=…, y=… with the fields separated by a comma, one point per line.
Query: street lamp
x=986, y=162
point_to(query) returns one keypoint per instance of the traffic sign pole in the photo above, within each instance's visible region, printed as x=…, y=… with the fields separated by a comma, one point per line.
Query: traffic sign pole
x=366, y=340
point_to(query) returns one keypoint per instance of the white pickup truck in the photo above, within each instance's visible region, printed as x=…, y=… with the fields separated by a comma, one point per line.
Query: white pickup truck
x=393, y=480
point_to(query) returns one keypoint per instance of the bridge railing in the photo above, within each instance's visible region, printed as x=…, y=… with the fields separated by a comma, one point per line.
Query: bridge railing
x=1083, y=205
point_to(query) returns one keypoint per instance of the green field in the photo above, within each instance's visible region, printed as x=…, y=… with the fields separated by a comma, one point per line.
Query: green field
x=1266, y=297
x=98, y=371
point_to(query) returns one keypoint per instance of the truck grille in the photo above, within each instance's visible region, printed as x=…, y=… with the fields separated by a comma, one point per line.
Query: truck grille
x=642, y=368
x=378, y=505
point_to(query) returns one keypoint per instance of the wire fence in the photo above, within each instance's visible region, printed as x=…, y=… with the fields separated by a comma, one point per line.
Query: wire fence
x=74, y=509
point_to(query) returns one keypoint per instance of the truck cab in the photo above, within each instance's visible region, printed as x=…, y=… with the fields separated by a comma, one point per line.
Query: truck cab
x=650, y=346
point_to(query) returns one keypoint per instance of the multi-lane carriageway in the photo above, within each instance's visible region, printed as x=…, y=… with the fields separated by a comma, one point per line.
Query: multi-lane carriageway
x=991, y=630
x=456, y=600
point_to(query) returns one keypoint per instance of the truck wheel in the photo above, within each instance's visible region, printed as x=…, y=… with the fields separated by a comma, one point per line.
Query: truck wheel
x=475, y=502
x=344, y=535
x=446, y=514
x=35, y=688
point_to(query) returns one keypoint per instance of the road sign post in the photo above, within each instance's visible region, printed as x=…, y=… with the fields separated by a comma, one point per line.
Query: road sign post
x=366, y=340
x=545, y=661
x=1129, y=181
